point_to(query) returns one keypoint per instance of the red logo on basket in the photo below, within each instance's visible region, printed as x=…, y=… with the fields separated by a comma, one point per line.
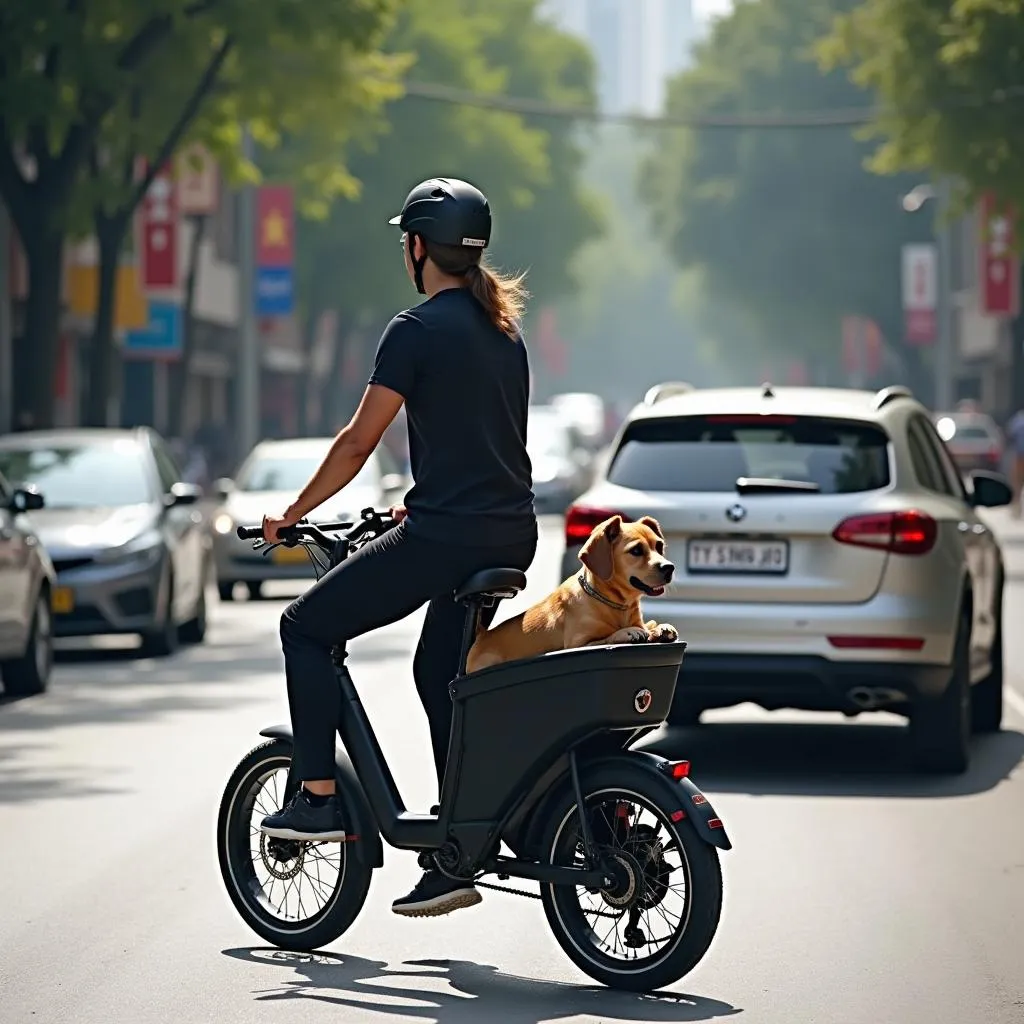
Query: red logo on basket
x=698, y=799
x=642, y=700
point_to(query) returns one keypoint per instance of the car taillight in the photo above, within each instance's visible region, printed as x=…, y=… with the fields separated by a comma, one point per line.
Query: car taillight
x=580, y=521
x=903, y=533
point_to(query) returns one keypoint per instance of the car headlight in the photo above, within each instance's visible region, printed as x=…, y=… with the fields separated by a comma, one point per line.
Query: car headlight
x=145, y=550
x=223, y=523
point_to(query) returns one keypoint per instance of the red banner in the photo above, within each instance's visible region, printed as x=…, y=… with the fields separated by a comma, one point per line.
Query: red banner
x=999, y=274
x=160, y=233
x=275, y=226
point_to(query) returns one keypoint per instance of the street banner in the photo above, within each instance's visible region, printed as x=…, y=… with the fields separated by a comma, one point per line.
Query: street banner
x=920, y=293
x=159, y=229
x=999, y=273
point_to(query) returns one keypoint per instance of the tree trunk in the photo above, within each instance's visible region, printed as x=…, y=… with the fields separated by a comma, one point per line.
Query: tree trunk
x=178, y=376
x=35, y=351
x=103, y=407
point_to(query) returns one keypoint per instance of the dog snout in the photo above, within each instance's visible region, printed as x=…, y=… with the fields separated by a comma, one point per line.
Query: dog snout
x=667, y=569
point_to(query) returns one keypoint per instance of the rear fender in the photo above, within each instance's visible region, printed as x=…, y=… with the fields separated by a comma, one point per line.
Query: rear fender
x=679, y=795
x=369, y=849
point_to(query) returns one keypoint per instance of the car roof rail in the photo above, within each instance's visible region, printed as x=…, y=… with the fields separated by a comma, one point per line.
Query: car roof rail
x=668, y=389
x=890, y=394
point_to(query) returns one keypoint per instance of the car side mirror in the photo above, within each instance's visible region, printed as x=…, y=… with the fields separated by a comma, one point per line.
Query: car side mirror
x=223, y=486
x=184, y=494
x=989, y=490
x=27, y=499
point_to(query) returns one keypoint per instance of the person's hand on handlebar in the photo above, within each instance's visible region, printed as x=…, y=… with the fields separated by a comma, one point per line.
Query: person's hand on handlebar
x=398, y=512
x=272, y=525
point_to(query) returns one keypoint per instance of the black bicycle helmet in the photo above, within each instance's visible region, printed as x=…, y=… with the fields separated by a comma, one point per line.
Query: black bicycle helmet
x=446, y=211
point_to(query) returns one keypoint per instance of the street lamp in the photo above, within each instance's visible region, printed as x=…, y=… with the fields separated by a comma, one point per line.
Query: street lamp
x=944, y=348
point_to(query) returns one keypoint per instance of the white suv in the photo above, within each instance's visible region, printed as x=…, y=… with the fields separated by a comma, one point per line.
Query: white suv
x=829, y=555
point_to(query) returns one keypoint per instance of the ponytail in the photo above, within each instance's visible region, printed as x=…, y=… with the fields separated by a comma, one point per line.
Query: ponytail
x=503, y=298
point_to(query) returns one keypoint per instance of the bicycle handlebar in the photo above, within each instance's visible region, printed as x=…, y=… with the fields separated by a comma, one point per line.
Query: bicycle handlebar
x=292, y=532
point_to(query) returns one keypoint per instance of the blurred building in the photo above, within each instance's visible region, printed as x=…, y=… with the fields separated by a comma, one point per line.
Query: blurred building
x=638, y=46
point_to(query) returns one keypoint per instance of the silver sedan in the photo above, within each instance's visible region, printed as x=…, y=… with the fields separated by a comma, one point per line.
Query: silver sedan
x=268, y=481
x=122, y=529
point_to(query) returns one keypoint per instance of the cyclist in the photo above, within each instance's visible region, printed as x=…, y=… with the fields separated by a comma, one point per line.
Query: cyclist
x=458, y=363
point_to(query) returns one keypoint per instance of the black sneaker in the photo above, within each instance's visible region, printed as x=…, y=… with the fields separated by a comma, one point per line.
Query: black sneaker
x=301, y=820
x=436, y=894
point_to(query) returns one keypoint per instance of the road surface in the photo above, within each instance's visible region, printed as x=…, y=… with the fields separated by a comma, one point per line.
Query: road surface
x=857, y=892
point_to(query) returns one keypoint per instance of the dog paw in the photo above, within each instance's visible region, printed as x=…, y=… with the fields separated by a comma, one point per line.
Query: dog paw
x=629, y=635
x=663, y=633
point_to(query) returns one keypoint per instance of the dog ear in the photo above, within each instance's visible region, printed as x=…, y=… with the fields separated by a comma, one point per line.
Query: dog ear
x=596, y=554
x=652, y=523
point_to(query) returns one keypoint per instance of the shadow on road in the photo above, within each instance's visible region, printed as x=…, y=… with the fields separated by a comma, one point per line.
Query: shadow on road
x=474, y=993
x=828, y=760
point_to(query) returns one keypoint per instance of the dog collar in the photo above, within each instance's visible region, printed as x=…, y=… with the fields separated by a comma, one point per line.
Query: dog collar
x=597, y=596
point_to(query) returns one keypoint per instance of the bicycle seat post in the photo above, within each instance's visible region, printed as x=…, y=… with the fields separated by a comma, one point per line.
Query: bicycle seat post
x=474, y=606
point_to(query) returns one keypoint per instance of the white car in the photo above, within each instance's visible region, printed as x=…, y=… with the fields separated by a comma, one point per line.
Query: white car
x=829, y=556
x=268, y=480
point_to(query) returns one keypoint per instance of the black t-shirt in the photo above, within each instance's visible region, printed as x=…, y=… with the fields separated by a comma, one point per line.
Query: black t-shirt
x=466, y=387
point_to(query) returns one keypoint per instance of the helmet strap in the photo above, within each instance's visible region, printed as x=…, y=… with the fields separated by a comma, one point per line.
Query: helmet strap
x=418, y=264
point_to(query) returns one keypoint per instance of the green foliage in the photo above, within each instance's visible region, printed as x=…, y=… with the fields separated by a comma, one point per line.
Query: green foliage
x=528, y=166
x=949, y=77
x=787, y=226
x=114, y=80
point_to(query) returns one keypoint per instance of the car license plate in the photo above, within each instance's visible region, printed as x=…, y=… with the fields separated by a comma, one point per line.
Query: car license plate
x=289, y=556
x=62, y=600
x=737, y=556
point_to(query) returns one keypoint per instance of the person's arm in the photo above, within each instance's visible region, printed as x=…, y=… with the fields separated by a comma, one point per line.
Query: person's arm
x=390, y=384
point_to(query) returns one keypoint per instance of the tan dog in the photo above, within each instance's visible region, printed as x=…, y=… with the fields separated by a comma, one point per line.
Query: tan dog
x=601, y=605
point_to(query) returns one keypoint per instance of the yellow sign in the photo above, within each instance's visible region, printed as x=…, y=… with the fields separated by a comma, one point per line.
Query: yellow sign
x=275, y=230
x=130, y=309
x=62, y=600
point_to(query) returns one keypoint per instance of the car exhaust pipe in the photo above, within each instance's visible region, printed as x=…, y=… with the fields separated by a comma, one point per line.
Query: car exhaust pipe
x=867, y=698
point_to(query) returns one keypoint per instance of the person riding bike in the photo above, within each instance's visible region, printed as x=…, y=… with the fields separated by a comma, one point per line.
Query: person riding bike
x=459, y=364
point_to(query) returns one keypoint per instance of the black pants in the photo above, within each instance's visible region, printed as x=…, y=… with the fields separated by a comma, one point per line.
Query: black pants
x=381, y=583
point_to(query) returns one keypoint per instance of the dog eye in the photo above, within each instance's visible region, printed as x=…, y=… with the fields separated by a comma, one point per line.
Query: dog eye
x=637, y=549
x=660, y=548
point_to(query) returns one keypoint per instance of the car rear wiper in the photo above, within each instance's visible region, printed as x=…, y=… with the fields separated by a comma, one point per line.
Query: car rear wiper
x=767, y=485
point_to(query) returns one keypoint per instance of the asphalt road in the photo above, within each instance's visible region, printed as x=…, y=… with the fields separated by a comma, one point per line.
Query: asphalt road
x=857, y=892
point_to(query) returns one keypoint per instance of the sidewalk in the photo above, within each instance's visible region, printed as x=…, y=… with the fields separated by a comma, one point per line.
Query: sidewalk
x=1008, y=530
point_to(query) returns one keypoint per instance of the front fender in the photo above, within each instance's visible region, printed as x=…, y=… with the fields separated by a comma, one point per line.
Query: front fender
x=356, y=807
x=680, y=795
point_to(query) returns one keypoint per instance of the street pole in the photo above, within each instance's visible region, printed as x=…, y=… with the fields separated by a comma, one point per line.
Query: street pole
x=248, y=404
x=6, y=326
x=945, y=349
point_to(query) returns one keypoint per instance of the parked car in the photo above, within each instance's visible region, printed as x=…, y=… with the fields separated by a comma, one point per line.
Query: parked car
x=829, y=556
x=561, y=467
x=268, y=481
x=972, y=439
x=128, y=543
x=26, y=583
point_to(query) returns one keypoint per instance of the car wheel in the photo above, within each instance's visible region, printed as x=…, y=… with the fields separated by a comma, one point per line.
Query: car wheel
x=226, y=590
x=30, y=674
x=255, y=589
x=987, y=695
x=162, y=641
x=940, y=727
x=194, y=631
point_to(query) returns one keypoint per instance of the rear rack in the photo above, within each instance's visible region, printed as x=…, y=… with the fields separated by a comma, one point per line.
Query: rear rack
x=669, y=389
x=890, y=394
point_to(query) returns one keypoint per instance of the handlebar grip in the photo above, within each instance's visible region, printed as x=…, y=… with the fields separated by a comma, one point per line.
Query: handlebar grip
x=249, y=532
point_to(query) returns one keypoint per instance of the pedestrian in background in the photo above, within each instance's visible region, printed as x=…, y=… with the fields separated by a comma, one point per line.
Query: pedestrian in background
x=1015, y=435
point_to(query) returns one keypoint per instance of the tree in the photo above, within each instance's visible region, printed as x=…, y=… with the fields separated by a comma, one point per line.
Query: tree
x=949, y=80
x=952, y=100
x=785, y=223
x=528, y=166
x=86, y=88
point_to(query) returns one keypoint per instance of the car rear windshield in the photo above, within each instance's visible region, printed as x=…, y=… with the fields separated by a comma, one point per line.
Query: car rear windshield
x=709, y=453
